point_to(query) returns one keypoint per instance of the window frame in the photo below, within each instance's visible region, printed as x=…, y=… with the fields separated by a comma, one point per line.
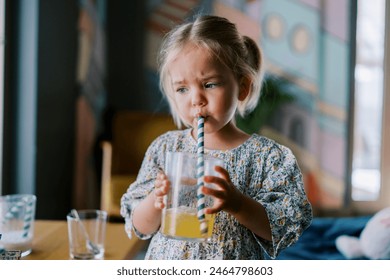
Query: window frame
x=384, y=195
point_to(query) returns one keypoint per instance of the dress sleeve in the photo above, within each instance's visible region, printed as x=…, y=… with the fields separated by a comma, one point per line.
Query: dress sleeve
x=281, y=192
x=144, y=184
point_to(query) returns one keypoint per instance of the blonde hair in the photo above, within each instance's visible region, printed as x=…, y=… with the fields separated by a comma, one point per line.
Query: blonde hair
x=223, y=41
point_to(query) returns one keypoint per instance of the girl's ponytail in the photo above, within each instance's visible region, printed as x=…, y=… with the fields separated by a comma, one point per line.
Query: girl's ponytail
x=254, y=54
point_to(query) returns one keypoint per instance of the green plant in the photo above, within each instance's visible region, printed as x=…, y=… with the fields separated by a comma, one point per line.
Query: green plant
x=274, y=93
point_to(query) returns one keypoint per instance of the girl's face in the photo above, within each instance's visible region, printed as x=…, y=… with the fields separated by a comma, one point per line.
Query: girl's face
x=203, y=86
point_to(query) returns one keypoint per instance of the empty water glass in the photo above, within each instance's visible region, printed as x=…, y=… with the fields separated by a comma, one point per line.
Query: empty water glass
x=17, y=214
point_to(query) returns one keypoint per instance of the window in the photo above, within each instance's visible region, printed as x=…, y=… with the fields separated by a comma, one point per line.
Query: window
x=369, y=96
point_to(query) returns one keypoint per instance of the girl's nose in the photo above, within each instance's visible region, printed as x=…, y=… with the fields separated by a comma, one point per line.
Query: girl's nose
x=198, y=98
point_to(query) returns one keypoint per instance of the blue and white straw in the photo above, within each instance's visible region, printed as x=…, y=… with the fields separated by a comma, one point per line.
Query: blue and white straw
x=28, y=217
x=199, y=176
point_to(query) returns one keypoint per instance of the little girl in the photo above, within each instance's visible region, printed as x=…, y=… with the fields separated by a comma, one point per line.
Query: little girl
x=208, y=69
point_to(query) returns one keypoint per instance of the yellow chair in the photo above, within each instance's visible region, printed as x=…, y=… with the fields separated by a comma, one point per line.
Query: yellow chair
x=132, y=133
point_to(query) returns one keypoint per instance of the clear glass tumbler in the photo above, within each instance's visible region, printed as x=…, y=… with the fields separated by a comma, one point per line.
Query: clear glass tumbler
x=179, y=217
x=17, y=215
x=86, y=234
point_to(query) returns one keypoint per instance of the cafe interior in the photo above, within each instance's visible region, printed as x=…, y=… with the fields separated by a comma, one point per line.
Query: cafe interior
x=80, y=103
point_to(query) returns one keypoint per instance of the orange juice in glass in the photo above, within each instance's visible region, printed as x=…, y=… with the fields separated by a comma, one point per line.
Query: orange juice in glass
x=179, y=217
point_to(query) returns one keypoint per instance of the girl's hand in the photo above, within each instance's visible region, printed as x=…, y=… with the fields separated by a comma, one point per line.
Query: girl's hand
x=226, y=196
x=161, y=188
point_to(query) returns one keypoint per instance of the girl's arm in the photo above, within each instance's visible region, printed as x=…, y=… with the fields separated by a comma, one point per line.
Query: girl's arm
x=246, y=210
x=147, y=215
x=253, y=216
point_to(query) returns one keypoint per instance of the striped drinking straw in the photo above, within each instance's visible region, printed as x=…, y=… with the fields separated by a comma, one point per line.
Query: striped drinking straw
x=28, y=216
x=200, y=175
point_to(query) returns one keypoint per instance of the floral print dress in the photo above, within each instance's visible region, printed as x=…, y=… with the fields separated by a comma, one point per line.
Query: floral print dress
x=260, y=168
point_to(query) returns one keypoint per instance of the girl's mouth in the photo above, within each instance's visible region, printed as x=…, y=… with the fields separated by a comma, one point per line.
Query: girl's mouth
x=197, y=117
x=195, y=120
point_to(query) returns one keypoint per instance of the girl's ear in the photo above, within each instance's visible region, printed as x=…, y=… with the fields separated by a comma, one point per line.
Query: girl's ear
x=245, y=87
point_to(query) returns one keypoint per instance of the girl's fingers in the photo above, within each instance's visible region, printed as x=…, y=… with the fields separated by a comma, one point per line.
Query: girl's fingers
x=161, y=187
x=161, y=191
x=160, y=180
x=161, y=176
x=223, y=172
x=221, y=182
x=158, y=200
x=159, y=205
x=212, y=210
x=226, y=196
x=213, y=192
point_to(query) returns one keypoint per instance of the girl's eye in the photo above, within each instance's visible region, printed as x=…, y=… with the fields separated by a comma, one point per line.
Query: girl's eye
x=181, y=90
x=211, y=85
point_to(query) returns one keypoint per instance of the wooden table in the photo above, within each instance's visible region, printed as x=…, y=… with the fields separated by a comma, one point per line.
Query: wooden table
x=51, y=242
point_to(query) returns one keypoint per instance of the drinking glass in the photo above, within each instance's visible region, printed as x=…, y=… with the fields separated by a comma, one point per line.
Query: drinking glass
x=17, y=214
x=179, y=217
